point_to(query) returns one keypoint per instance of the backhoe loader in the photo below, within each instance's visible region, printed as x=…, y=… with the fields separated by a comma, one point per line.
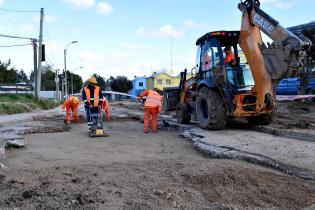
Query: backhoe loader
x=244, y=87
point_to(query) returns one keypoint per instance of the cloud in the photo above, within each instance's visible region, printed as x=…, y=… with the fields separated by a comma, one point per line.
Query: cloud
x=53, y=46
x=115, y=57
x=166, y=31
x=89, y=56
x=103, y=8
x=283, y=5
x=27, y=28
x=1, y=2
x=140, y=31
x=192, y=25
x=80, y=4
x=133, y=46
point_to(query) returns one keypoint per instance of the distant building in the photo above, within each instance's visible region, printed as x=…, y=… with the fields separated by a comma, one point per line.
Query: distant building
x=138, y=84
x=161, y=80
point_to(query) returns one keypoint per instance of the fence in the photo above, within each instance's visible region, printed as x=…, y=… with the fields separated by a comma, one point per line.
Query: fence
x=18, y=88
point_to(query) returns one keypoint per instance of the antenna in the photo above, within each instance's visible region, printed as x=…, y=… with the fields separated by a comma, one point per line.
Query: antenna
x=171, y=51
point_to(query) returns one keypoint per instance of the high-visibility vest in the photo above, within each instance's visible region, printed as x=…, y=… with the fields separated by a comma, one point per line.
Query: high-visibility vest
x=69, y=103
x=96, y=95
x=153, y=99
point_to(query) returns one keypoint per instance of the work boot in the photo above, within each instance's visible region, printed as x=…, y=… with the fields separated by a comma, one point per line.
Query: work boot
x=154, y=131
x=146, y=131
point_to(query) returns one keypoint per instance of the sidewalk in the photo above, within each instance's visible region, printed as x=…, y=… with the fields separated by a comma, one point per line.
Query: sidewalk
x=292, y=156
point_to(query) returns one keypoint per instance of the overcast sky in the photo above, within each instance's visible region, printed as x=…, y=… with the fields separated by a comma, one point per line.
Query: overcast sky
x=127, y=37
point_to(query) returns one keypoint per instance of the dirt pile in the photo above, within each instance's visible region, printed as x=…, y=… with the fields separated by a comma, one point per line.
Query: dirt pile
x=154, y=184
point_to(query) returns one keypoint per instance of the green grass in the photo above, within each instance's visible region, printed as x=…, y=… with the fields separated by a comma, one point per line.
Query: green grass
x=13, y=104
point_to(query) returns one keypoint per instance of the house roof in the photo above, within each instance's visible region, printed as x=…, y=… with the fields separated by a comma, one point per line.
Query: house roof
x=157, y=74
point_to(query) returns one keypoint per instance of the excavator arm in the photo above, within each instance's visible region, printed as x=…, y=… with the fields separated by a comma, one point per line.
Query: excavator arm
x=272, y=62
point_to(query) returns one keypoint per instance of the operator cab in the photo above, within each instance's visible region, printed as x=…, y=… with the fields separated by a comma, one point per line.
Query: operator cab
x=210, y=56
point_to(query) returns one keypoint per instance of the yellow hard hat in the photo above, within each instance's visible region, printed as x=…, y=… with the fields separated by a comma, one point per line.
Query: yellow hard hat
x=93, y=80
x=75, y=100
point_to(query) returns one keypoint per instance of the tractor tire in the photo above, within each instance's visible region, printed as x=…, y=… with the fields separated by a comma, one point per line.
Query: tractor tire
x=210, y=109
x=265, y=119
x=164, y=106
x=182, y=114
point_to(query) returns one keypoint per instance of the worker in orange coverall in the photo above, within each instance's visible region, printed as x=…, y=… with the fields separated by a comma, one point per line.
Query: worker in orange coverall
x=71, y=104
x=105, y=108
x=152, y=107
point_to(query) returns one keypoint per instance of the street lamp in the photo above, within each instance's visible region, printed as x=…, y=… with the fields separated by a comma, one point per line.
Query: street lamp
x=65, y=60
x=72, y=78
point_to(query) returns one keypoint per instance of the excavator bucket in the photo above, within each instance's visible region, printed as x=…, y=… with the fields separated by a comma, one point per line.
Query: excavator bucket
x=280, y=61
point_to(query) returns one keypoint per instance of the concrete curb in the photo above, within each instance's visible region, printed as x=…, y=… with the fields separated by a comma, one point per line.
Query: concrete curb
x=286, y=133
x=224, y=152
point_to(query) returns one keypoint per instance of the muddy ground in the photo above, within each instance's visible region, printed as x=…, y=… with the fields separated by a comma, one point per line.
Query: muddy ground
x=134, y=170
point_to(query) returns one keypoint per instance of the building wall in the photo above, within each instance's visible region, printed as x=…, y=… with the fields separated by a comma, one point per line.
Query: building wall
x=150, y=83
x=136, y=88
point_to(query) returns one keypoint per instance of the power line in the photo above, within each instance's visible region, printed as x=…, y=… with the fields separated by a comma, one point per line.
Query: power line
x=15, y=45
x=20, y=11
x=49, y=42
x=15, y=37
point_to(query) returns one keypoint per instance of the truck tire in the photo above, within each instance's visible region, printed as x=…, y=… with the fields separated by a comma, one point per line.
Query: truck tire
x=182, y=114
x=264, y=119
x=210, y=109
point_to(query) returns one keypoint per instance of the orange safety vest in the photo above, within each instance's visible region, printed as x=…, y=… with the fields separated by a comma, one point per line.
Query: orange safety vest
x=153, y=99
x=229, y=57
x=88, y=95
x=69, y=103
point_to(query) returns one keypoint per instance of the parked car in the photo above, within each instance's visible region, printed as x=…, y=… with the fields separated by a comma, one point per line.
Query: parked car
x=291, y=86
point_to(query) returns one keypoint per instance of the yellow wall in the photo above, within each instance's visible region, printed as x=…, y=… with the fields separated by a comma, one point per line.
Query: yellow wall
x=153, y=82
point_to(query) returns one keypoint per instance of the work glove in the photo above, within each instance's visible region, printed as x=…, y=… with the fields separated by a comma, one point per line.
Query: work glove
x=160, y=109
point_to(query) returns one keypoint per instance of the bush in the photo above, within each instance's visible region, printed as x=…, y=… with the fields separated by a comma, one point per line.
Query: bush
x=46, y=104
x=13, y=108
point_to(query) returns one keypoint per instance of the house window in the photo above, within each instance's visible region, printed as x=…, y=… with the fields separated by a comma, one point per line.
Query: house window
x=140, y=84
x=168, y=82
x=159, y=81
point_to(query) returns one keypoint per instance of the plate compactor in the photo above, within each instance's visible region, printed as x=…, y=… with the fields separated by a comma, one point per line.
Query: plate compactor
x=97, y=127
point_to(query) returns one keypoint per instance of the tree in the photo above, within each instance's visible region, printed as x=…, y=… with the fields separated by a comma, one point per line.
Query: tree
x=120, y=84
x=101, y=81
x=308, y=68
x=21, y=76
x=48, y=78
x=7, y=75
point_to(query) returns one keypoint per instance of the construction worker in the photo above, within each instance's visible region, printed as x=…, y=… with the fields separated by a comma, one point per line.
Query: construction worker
x=229, y=56
x=71, y=104
x=152, y=107
x=92, y=97
x=105, y=108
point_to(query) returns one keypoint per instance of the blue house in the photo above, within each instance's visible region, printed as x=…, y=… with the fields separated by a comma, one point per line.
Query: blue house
x=138, y=84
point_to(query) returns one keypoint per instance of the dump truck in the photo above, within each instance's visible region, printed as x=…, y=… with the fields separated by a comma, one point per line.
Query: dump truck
x=245, y=88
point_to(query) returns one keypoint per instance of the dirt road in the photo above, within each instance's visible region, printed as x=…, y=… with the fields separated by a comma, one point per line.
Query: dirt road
x=133, y=170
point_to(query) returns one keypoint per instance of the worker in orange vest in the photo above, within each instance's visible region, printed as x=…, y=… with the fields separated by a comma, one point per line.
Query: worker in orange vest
x=92, y=97
x=229, y=56
x=71, y=104
x=105, y=108
x=152, y=107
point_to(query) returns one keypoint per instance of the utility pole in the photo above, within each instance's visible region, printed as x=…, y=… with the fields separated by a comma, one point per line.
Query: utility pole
x=39, y=70
x=62, y=84
x=35, y=67
x=65, y=77
x=57, y=85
